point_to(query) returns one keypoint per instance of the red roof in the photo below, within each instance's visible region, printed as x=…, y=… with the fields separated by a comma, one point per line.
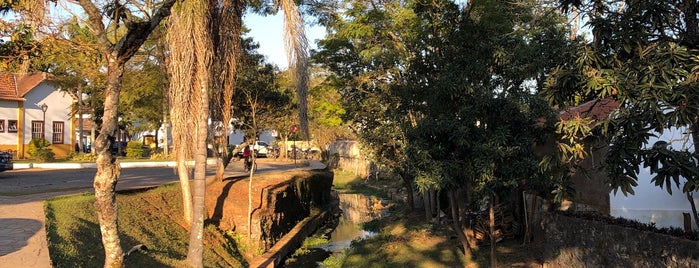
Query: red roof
x=15, y=86
x=594, y=109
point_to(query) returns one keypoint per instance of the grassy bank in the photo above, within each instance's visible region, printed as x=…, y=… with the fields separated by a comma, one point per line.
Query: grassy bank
x=152, y=218
x=406, y=239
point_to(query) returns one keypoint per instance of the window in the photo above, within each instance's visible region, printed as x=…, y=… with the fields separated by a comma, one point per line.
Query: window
x=57, y=132
x=37, y=129
x=2, y=125
x=12, y=126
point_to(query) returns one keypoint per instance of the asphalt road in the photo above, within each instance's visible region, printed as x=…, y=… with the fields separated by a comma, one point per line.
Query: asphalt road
x=30, y=181
x=33, y=181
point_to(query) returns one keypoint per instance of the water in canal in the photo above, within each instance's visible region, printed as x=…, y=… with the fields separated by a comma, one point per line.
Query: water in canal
x=356, y=209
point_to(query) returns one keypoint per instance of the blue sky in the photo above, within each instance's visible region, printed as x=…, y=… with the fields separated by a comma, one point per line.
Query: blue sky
x=267, y=31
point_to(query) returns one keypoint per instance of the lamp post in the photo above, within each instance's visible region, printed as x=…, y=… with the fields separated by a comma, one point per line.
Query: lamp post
x=44, y=107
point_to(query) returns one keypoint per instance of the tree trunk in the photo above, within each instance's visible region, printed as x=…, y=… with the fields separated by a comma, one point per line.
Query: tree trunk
x=202, y=64
x=690, y=197
x=166, y=130
x=108, y=170
x=183, y=174
x=457, y=224
x=196, y=234
x=408, y=183
x=426, y=204
x=491, y=224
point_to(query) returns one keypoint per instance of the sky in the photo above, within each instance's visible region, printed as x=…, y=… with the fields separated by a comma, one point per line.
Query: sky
x=267, y=31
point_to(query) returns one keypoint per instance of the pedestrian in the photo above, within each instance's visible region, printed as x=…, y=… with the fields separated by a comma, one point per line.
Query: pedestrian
x=247, y=154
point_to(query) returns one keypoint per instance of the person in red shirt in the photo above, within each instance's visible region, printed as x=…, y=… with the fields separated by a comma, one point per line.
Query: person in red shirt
x=247, y=154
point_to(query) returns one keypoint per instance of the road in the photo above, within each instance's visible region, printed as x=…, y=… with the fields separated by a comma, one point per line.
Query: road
x=33, y=181
x=28, y=181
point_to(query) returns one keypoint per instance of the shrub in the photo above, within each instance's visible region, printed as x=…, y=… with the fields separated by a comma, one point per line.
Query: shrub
x=82, y=157
x=39, y=149
x=161, y=156
x=134, y=149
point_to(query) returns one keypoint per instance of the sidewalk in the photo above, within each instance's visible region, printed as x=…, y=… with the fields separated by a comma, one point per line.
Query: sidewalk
x=22, y=220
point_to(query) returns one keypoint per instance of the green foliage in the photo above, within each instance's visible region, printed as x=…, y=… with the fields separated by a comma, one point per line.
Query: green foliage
x=444, y=95
x=161, y=156
x=644, y=57
x=134, y=149
x=39, y=149
x=260, y=96
x=335, y=260
x=82, y=157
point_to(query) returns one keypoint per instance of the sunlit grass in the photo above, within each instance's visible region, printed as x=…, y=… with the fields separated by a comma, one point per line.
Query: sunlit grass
x=152, y=218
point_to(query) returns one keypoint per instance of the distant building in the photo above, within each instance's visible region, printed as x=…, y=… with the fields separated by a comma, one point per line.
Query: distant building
x=31, y=106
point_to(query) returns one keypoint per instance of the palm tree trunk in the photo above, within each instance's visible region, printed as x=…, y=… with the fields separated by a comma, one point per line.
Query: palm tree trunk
x=196, y=248
x=183, y=174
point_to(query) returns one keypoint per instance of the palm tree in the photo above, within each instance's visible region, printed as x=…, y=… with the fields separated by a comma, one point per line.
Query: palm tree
x=190, y=68
x=197, y=28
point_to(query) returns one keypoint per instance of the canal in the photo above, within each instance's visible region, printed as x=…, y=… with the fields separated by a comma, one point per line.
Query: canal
x=355, y=209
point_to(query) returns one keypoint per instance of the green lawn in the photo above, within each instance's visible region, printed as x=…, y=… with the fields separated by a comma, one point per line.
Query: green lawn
x=151, y=218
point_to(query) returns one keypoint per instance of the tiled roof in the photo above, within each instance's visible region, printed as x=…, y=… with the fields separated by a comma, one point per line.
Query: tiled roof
x=594, y=109
x=15, y=86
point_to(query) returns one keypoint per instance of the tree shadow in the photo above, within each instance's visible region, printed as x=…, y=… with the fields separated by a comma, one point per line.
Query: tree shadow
x=217, y=215
x=19, y=230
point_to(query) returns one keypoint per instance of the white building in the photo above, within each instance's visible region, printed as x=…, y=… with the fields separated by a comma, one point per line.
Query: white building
x=652, y=204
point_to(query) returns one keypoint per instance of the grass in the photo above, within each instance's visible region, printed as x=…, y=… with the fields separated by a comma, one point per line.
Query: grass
x=406, y=239
x=151, y=217
x=348, y=182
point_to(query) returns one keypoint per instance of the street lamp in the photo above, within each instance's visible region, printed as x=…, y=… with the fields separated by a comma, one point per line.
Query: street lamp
x=44, y=107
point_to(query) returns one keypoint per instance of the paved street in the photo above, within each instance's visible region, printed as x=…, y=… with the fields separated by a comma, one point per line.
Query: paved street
x=22, y=234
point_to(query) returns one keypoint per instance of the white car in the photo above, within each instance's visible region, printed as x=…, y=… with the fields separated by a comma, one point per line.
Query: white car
x=259, y=147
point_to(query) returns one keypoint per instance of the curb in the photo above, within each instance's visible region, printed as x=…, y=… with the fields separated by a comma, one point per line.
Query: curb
x=94, y=165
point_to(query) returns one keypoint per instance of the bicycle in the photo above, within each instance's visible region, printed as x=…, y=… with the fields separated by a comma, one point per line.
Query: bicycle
x=249, y=163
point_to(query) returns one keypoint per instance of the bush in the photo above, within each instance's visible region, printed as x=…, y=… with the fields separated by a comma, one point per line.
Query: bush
x=82, y=157
x=161, y=156
x=134, y=149
x=39, y=149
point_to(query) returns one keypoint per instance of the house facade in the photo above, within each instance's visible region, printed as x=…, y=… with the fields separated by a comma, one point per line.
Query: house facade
x=650, y=203
x=31, y=106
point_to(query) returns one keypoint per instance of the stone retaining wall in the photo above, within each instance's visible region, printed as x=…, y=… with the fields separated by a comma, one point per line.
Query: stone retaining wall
x=345, y=155
x=285, y=204
x=575, y=242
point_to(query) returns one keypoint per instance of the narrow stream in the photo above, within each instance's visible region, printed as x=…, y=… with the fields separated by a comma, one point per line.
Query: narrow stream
x=356, y=209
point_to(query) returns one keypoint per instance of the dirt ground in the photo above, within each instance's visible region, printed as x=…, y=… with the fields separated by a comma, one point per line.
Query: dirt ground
x=407, y=240
x=227, y=201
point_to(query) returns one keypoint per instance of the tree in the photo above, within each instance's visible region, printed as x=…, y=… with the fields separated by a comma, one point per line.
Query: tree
x=365, y=52
x=296, y=47
x=190, y=67
x=258, y=102
x=444, y=94
x=116, y=52
x=643, y=55
x=226, y=24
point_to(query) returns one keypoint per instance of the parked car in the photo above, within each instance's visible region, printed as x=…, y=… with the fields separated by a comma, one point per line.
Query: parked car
x=6, y=162
x=260, y=148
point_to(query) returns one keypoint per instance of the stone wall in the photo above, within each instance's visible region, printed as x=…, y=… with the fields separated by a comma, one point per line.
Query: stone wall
x=287, y=203
x=576, y=242
x=345, y=155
